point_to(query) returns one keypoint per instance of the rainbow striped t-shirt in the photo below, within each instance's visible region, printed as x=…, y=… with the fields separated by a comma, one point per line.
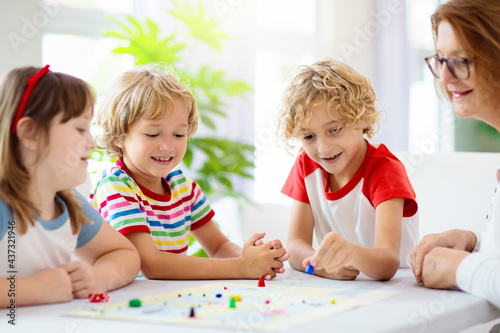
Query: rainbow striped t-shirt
x=129, y=207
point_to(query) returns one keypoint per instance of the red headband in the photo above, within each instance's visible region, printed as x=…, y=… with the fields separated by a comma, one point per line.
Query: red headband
x=30, y=85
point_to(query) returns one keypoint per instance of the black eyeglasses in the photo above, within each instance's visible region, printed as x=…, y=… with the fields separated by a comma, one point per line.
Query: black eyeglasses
x=458, y=67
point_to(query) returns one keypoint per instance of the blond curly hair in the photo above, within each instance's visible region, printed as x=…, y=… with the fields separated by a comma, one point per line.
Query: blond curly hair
x=335, y=83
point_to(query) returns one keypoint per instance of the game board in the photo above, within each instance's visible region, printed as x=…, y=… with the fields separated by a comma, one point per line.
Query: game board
x=260, y=308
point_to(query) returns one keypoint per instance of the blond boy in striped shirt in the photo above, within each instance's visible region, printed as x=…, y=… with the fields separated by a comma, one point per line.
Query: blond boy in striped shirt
x=147, y=118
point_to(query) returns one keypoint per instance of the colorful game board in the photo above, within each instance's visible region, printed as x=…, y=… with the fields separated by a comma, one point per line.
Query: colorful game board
x=252, y=307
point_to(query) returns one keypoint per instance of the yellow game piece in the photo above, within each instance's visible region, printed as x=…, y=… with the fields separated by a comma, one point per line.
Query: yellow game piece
x=333, y=301
x=237, y=298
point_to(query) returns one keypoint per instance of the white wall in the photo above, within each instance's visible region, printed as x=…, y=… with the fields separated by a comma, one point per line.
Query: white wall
x=21, y=26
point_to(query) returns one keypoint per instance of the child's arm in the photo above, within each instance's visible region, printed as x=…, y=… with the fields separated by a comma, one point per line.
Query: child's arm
x=299, y=244
x=109, y=261
x=45, y=287
x=380, y=262
x=215, y=243
x=252, y=262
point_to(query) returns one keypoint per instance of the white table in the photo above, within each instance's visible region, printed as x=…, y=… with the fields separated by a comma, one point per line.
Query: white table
x=416, y=309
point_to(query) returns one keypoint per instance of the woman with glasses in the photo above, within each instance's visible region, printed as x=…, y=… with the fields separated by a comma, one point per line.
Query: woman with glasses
x=467, y=69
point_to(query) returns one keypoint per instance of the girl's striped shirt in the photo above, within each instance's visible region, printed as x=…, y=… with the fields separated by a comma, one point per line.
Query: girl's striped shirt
x=129, y=207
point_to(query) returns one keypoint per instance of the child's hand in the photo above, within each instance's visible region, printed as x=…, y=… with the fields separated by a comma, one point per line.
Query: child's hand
x=263, y=259
x=255, y=239
x=276, y=245
x=83, y=278
x=342, y=273
x=335, y=255
x=54, y=286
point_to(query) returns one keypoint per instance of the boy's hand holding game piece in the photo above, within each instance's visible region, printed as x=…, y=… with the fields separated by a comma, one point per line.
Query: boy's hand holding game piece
x=333, y=254
x=335, y=258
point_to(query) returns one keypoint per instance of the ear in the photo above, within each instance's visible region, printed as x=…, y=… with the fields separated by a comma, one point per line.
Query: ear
x=118, y=143
x=28, y=134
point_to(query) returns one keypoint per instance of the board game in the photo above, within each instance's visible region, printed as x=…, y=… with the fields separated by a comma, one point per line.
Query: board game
x=241, y=306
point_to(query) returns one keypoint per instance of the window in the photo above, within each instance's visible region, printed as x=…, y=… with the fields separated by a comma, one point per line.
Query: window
x=288, y=40
x=113, y=6
x=89, y=58
x=431, y=124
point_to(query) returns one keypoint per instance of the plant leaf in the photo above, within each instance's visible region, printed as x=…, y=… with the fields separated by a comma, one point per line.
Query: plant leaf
x=214, y=162
x=188, y=157
x=225, y=159
x=200, y=25
x=144, y=43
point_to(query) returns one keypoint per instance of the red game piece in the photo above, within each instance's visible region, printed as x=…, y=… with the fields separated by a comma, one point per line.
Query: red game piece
x=99, y=297
x=261, y=282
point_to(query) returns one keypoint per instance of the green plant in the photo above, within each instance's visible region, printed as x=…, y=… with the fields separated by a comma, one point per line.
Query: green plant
x=213, y=161
x=475, y=135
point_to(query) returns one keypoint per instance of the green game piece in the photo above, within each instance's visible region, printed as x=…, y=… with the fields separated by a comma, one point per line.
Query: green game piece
x=135, y=303
x=232, y=303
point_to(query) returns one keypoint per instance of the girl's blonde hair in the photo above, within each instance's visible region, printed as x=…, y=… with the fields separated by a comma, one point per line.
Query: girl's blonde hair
x=335, y=83
x=143, y=92
x=55, y=93
x=476, y=24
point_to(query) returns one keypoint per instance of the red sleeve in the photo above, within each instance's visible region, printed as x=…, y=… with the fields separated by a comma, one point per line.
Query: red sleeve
x=386, y=179
x=295, y=186
x=203, y=221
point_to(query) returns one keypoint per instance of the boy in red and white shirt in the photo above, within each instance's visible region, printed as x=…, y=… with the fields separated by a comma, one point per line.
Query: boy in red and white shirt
x=356, y=196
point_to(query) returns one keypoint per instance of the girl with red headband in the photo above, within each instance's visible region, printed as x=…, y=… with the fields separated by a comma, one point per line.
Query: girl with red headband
x=44, y=147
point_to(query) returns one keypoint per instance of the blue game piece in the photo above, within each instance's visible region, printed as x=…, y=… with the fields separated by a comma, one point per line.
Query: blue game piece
x=310, y=269
x=218, y=295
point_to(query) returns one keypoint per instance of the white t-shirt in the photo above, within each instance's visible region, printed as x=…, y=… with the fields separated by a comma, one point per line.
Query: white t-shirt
x=350, y=211
x=47, y=244
x=479, y=272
